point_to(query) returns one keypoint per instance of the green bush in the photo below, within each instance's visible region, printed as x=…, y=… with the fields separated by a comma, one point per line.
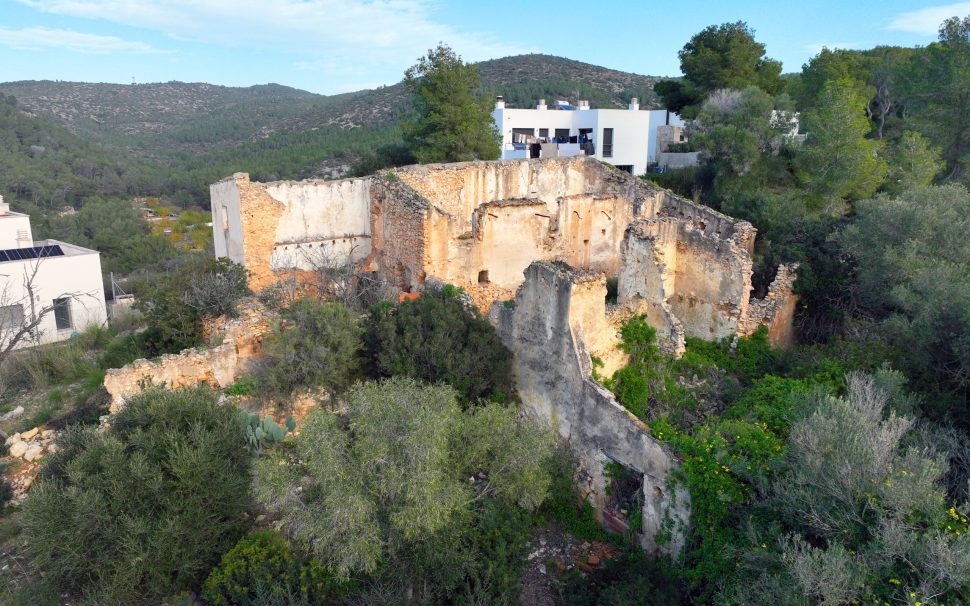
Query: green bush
x=317, y=345
x=435, y=338
x=630, y=579
x=262, y=569
x=635, y=383
x=176, y=303
x=564, y=505
x=6, y=492
x=144, y=509
x=123, y=349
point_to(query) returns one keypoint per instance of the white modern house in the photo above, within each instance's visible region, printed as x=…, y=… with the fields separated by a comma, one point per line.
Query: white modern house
x=626, y=138
x=51, y=288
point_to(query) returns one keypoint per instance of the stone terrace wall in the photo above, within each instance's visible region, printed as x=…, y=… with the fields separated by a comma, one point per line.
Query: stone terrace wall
x=219, y=366
x=558, y=311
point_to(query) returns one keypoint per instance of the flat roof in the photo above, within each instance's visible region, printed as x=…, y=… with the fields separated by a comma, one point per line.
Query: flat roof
x=44, y=249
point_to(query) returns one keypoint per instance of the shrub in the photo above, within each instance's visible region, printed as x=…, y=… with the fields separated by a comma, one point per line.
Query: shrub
x=387, y=486
x=638, y=380
x=144, y=509
x=123, y=349
x=563, y=505
x=177, y=303
x=262, y=569
x=624, y=581
x=317, y=345
x=436, y=339
x=6, y=492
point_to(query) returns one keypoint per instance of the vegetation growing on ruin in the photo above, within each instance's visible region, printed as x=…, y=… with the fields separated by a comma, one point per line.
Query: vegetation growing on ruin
x=835, y=472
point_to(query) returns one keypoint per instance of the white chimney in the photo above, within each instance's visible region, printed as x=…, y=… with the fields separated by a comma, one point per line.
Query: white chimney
x=542, y=104
x=499, y=102
x=634, y=104
x=583, y=104
x=4, y=207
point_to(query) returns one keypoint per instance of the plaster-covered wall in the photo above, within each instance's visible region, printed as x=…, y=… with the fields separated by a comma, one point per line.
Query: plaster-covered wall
x=558, y=317
x=480, y=224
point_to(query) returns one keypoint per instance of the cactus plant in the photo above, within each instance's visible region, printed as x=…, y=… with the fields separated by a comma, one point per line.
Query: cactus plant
x=264, y=433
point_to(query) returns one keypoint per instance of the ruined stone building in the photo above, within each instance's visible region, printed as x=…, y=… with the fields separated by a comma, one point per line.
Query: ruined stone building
x=541, y=236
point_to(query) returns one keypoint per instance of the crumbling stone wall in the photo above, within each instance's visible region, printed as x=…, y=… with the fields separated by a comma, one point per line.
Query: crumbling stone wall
x=480, y=224
x=776, y=311
x=559, y=316
x=218, y=366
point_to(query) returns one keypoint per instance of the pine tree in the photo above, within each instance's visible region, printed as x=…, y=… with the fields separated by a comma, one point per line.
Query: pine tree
x=451, y=123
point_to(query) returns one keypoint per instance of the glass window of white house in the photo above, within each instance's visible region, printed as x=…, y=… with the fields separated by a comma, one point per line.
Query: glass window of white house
x=62, y=314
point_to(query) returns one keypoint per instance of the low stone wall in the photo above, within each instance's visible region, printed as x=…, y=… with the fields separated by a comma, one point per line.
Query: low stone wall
x=219, y=366
x=557, y=313
x=776, y=311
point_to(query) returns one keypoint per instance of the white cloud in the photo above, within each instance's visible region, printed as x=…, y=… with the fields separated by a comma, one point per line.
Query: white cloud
x=926, y=21
x=816, y=47
x=346, y=35
x=33, y=38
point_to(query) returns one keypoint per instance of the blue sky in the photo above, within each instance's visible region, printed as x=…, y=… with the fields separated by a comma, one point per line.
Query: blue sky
x=332, y=46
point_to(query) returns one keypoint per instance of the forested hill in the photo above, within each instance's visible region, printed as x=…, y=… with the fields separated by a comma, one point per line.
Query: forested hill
x=175, y=138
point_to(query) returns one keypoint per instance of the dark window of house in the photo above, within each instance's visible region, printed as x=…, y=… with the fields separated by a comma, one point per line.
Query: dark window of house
x=562, y=133
x=62, y=314
x=544, y=132
x=607, y=142
x=524, y=131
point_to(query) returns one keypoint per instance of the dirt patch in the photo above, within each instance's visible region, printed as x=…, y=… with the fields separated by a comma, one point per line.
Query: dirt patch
x=553, y=552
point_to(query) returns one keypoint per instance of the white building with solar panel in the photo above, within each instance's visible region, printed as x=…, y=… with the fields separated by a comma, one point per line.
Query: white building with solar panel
x=49, y=290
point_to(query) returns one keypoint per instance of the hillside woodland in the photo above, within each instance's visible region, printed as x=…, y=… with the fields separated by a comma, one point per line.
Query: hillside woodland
x=375, y=454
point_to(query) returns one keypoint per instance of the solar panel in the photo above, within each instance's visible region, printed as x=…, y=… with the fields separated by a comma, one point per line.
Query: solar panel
x=33, y=252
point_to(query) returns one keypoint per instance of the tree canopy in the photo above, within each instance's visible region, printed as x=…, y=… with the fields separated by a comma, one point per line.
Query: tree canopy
x=364, y=493
x=720, y=56
x=452, y=121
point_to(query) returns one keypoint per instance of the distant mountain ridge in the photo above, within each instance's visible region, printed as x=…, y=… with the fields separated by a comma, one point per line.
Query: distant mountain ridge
x=182, y=136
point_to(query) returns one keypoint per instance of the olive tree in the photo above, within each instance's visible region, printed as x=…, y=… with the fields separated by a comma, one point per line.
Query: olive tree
x=394, y=474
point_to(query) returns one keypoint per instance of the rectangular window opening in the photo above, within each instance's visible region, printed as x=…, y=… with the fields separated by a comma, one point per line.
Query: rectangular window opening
x=62, y=314
x=607, y=142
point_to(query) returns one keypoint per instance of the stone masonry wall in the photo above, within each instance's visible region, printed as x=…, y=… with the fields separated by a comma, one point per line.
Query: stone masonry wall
x=558, y=311
x=480, y=224
x=776, y=310
x=219, y=366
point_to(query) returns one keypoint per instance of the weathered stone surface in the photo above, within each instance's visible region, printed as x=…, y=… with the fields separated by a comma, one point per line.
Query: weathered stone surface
x=777, y=310
x=18, y=448
x=557, y=312
x=478, y=225
x=30, y=433
x=34, y=452
x=218, y=366
x=13, y=414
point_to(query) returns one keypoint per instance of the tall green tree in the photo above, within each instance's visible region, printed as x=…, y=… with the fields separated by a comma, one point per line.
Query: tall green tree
x=720, y=56
x=913, y=163
x=838, y=163
x=452, y=122
x=913, y=275
x=737, y=133
x=937, y=88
